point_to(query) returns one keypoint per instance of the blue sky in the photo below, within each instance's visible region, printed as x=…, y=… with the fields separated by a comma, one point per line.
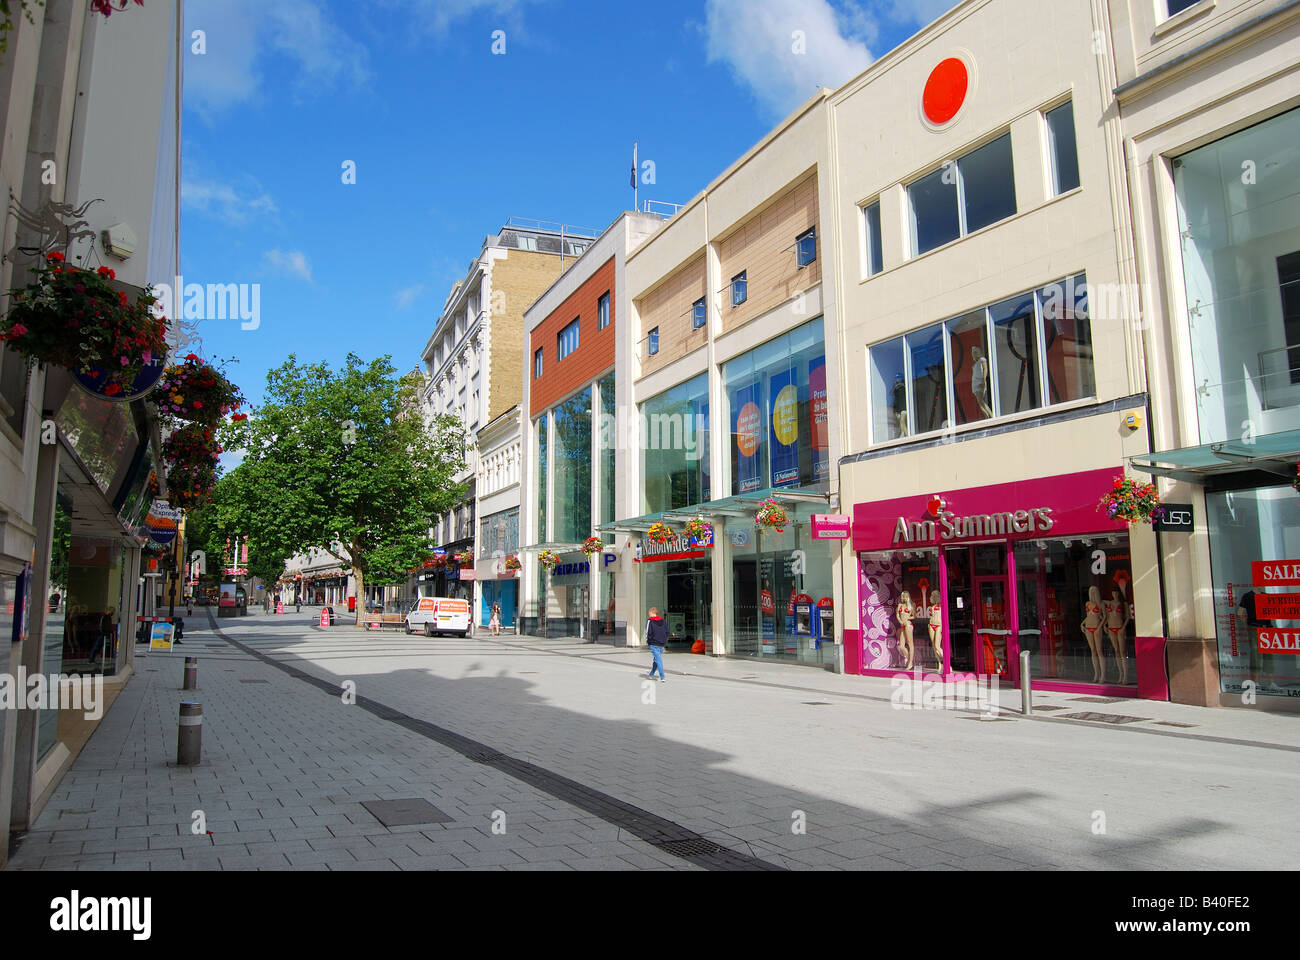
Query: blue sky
x=450, y=139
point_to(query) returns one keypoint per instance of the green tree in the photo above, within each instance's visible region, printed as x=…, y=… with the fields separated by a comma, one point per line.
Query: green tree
x=342, y=460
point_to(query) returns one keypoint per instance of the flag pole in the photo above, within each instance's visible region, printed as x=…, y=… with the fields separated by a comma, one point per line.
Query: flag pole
x=636, y=177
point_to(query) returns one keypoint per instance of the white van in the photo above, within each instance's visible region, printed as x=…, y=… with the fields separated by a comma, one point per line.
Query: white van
x=435, y=615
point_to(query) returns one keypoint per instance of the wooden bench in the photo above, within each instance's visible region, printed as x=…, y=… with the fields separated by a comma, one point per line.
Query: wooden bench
x=385, y=621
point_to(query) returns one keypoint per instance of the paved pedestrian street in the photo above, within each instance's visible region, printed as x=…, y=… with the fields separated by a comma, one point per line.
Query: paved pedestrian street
x=559, y=755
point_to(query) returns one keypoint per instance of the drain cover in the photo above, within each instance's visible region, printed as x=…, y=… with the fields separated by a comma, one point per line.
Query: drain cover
x=254, y=681
x=404, y=813
x=1042, y=708
x=1099, y=699
x=1103, y=717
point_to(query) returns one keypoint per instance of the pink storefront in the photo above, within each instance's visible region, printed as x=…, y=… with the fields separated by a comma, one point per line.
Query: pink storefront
x=957, y=583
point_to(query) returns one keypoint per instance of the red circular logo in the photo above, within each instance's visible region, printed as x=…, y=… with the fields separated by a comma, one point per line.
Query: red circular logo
x=945, y=91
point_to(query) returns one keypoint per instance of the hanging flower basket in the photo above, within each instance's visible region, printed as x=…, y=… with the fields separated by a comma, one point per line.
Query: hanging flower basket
x=772, y=514
x=660, y=533
x=465, y=557
x=699, y=529
x=190, y=484
x=73, y=318
x=548, y=559
x=1295, y=481
x=592, y=545
x=192, y=443
x=1132, y=502
x=197, y=392
x=512, y=562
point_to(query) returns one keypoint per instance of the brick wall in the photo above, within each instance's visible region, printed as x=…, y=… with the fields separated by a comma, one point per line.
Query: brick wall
x=521, y=278
x=595, y=353
x=764, y=248
x=668, y=307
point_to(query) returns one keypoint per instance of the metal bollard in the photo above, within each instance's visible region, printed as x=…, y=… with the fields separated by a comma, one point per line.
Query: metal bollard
x=189, y=736
x=1026, y=699
x=191, y=673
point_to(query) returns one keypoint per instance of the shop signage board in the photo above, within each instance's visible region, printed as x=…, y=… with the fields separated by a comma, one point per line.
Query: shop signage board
x=1275, y=573
x=1277, y=606
x=831, y=526
x=325, y=617
x=1023, y=509
x=160, y=637
x=1279, y=641
x=227, y=595
x=785, y=428
x=1177, y=518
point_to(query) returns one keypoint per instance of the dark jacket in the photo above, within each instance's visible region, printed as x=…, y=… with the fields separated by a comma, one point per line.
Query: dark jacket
x=657, y=632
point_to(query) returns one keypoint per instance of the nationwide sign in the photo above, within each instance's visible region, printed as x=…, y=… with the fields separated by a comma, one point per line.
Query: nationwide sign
x=1279, y=641
x=1276, y=573
x=678, y=548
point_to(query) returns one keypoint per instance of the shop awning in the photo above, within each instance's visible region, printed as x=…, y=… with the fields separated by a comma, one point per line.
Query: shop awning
x=801, y=503
x=1275, y=453
x=553, y=547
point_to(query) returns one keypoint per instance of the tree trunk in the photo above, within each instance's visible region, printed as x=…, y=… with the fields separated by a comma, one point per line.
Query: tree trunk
x=361, y=595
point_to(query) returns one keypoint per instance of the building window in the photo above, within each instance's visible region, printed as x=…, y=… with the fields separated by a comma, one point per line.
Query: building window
x=567, y=340
x=872, y=261
x=675, y=448
x=1239, y=239
x=653, y=340
x=537, y=363
x=1062, y=148
x=602, y=312
x=739, y=294
x=806, y=247
x=1026, y=352
x=1178, y=6
x=963, y=196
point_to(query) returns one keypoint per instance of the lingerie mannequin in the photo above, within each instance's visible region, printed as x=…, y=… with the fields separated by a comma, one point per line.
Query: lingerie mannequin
x=904, y=615
x=936, y=627
x=900, y=405
x=1117, y=619
x=979, y=380
x=1091, y=624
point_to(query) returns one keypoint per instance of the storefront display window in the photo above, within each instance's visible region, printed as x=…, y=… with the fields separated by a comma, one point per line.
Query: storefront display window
x=1239, y=229
x=675, y=446
x=571, y=503
x=608, y=448
x=1248, y=530
x=776, y=396
x=682, y=590
x=779, y=580
x=541, y=461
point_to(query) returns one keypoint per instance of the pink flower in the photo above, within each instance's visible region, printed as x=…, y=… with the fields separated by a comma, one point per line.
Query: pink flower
x=148, y=356
x=125, y=361
x=17, y=330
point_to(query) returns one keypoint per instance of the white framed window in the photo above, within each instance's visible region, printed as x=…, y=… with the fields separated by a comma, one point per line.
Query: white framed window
x=567, y=340
x=602, y=311
x=537, y=363
x=962, y=196
x=739, y=294
x=653, y=342
x=872, y=260
x=806, y=247
x=1062, y=148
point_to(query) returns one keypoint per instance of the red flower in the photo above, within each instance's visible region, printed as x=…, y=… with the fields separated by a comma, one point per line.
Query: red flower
x=106, y=272
x=121, y=296
x=54, y=256
x=198, y=405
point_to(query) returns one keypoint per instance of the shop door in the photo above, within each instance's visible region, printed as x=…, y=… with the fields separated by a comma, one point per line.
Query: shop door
x=992, y=653
x=578, y=608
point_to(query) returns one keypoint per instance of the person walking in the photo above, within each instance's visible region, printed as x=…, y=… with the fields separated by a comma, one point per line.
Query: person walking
x=494, y=624
x=656, y=632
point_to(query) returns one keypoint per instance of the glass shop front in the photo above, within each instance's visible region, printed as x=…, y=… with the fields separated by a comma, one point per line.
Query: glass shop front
x=959, y=583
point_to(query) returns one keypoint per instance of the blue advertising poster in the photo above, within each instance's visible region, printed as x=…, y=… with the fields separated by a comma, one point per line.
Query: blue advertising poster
x=748, y=431
x=784, y=392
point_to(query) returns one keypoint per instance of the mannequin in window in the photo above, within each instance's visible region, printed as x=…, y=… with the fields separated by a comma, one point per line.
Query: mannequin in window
x=936, y=628
x=899, y=404
x=1092, y=621
x=979, y=380
x=904, y=614
x=1117, y=620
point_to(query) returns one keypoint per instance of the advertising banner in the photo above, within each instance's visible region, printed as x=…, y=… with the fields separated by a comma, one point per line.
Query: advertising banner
x=819, y=442
x=160, y=636
x=747, y=430
x=227, y=595
x=785, y=428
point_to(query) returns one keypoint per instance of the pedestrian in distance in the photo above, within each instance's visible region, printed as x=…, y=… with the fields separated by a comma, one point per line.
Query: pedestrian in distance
x=297, y=603
x=495, y=623
x=656, y=632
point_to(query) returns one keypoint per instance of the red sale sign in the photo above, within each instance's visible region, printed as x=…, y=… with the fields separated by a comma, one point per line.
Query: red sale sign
x=1279, y=641
x=1276, y=573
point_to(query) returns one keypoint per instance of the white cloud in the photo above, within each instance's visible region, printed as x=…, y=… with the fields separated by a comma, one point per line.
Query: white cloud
x=224, y=201
x=293, y=262
x=241, y=34
x=437, y=16
x=757, y=39
x=407, y=296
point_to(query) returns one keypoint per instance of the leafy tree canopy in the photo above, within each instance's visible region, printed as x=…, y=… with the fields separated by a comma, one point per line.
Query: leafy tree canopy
x=342, y=460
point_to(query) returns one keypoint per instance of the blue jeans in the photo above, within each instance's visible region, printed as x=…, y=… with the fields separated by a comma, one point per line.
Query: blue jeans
x=658, y=653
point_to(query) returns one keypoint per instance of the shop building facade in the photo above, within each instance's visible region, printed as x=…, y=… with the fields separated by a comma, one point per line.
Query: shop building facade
x=74, y=468
x=1210, y=104
x=732, y=385
x=994, y=380
x=575, y=356
x=500, y=444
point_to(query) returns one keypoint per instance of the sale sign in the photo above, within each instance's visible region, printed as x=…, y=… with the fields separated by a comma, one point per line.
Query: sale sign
x=1279, y=641
x=1276, y=573
x=1277, y=606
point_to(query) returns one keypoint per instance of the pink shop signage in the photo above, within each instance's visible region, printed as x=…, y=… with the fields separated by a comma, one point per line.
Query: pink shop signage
x=1023, y=509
